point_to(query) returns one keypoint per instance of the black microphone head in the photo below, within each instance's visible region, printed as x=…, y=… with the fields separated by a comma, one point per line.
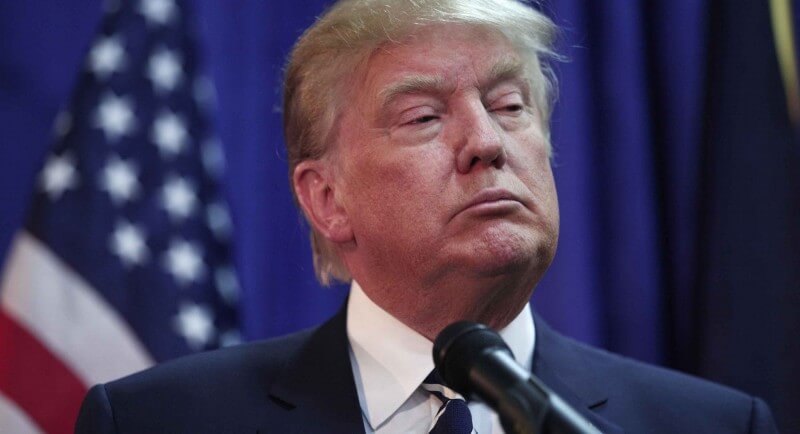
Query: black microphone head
x=457, y=348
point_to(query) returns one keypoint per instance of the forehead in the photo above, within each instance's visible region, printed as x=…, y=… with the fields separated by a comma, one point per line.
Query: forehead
x=445, y=57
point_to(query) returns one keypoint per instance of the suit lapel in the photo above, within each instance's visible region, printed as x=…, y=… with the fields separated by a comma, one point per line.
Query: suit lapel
x=567, y=373
x=318, y=390
x=317, y=385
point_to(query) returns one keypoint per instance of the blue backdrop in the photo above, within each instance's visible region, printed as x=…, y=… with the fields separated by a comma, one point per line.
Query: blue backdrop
x=677, y=167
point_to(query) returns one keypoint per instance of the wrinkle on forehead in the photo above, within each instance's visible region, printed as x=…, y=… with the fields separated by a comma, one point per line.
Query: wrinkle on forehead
x=506, y=68
x=428, y=38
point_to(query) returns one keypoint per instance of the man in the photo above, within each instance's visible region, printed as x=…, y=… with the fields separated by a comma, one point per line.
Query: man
x=417, y=134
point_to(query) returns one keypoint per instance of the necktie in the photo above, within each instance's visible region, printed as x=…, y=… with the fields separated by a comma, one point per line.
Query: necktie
x=453, y=416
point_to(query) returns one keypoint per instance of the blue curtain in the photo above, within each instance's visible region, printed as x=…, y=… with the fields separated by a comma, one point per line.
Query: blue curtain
x=679, y=189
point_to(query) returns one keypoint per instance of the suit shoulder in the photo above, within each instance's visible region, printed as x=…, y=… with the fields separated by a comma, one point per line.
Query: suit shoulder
x=645, y=394
x=669, y=381
x=213, y=391
x=265, y=356
x=212, y=370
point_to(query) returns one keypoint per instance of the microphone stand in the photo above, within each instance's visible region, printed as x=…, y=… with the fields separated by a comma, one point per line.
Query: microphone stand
x=525, y=407
x=475, y=361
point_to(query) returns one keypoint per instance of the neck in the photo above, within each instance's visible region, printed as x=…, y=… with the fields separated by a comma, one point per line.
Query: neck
x=428, y=308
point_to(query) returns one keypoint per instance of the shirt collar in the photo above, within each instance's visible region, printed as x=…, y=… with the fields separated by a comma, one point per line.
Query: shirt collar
x=390, y=360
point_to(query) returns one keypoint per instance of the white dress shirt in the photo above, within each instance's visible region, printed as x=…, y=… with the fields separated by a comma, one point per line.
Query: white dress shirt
x=390, y=360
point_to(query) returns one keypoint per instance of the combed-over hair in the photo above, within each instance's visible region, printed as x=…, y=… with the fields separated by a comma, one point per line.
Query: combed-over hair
x=326, y=55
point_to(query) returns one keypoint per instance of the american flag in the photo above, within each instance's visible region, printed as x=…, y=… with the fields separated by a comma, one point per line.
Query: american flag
x=124, y=259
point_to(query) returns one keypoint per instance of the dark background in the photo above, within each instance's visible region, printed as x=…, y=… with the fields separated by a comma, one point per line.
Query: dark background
x=677, y=166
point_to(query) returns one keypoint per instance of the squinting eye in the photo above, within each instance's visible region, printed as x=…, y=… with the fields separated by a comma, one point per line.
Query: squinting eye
x=423, y=119
x=512, y=108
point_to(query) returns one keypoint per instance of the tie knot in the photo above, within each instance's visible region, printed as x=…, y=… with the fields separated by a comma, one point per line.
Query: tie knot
x=434, y=384
x=453, y=416
x=433, y=378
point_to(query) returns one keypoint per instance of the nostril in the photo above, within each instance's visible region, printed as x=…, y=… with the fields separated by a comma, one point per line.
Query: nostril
x=500, y=161
x=475, y=161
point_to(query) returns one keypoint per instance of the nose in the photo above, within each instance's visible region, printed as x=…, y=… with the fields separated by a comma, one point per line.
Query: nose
x=482, y=141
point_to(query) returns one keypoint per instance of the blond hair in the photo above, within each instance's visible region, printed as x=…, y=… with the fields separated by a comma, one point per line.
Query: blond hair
x=324, y=58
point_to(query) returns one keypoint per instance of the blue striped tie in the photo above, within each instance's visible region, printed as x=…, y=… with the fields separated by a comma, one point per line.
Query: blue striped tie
x=453, y=416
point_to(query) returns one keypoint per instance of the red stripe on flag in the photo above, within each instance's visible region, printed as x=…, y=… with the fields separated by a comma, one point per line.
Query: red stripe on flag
x=36, y=380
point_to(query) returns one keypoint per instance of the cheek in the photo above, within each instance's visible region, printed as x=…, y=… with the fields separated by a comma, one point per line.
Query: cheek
x=533, y=166
x=547, y=197
x=541, y=173
x=402, y=187
x=528, y=151
x=547, y=192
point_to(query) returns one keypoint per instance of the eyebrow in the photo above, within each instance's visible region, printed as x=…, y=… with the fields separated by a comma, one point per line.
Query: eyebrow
x=503, y=70
x=411, y=85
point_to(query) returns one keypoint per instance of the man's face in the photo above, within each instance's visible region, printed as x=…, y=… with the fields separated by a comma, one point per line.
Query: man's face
x=442, y=165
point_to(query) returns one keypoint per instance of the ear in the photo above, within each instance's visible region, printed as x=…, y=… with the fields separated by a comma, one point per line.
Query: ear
x=314, y=186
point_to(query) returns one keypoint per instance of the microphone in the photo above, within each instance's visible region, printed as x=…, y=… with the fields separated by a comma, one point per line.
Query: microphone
x=475, y=361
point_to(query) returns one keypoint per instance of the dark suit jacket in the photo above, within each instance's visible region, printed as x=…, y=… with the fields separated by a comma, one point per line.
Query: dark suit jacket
x=304, y=383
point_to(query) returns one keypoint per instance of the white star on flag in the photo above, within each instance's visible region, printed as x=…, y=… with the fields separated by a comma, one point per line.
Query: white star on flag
x=164, y=70
x=195, y=323
x=114, y=268
x=227, y=284
x=106, y=57
x=158, y=12
x=59, y=175
x=184, y=261
x=169, y=134
x=219, y=220
x=119, y=179
x=178, y=198
x=127, y=242
x=114, y=116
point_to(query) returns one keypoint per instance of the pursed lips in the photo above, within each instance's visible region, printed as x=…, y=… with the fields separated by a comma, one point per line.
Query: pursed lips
x=488, y=196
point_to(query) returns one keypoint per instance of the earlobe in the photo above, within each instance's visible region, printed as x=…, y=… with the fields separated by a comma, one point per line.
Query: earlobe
x=316, y=194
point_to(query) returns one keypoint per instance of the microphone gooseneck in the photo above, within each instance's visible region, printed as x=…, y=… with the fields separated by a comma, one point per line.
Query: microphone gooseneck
x=475, y=361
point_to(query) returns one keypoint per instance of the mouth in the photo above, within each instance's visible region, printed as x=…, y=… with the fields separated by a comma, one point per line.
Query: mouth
x=492, y=201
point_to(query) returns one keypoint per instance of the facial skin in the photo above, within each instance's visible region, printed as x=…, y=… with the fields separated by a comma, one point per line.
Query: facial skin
x=438, y=192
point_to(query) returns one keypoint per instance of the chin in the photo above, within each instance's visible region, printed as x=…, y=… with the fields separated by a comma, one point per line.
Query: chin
x=511, y=251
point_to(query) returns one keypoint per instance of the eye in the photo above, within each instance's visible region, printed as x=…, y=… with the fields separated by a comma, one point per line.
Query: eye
x=512, y=108
x=423, y=119
x=509, y=104
x=419, y=115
